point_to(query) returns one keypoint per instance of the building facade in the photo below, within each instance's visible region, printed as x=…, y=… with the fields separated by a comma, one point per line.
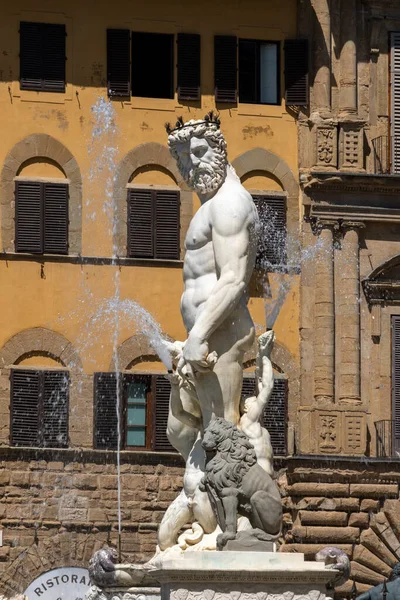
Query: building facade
x=343, y=484
x=93, y=219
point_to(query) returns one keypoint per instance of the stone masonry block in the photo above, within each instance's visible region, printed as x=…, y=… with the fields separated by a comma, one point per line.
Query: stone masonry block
x=319, y=489
x=330, y=535
x=369, y=505
x=378, y=490
x=359, y=520
x=321, y=517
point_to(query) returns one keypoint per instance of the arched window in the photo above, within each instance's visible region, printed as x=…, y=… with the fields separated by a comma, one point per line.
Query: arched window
x=41, y=208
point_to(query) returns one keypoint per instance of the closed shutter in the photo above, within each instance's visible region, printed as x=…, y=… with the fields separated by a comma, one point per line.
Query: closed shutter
x=118, y=62
x=28, y=217
x=395, y=101
x=105, y=411
x=395, y=384
x=167, y=225
x=54, y=58
x=161, y=394
x=275, y=417
x=275, y=413
x=140, y=223
x=272, y=243
x=56, y=218
x=31, y=56
x=25, y=391
x=296, y=73
x=42, y=56
x=225, y=68
x=188, y=66
x=55, y=409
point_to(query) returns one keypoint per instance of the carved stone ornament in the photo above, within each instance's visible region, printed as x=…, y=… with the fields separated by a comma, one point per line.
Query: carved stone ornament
x=96, y=593
x=328, y=432
x=351, y=147
x=327, y=147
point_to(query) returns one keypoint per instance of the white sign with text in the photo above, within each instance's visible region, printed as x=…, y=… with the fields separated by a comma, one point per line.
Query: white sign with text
x=70, y=583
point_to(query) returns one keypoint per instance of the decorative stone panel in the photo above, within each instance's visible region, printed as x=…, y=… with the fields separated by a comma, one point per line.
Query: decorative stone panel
x=326, y=146
x=329, y=432
x=351, y=155
x=354, y=433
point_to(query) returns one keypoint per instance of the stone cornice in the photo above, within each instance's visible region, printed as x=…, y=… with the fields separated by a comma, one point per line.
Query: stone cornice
x=344, y=182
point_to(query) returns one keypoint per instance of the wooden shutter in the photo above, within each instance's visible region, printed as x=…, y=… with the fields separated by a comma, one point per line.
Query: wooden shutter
x=161, y=394
x=29, y=217
x=105, y=411
x=56, y=218
x=53, y=57
x=249, y=78
x=296, y=73
x=31, y=56
x=272, y=243
x=42, y=56
x=395, y=101
x=225, y=68
x=55, y=409
x=167, y=228
x=118, y=62
x=395, y=384
x=188, y=66
x=248, y=387
x=140, y=223
x=25, y=391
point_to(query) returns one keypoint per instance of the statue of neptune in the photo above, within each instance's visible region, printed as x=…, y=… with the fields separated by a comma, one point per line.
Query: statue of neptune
x=221, y=245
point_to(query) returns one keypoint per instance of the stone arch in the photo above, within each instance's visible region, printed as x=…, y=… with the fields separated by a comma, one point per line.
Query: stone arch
x=59, y=549
x=261, y=159
x=45, y=146
x=131, y=349
x=149, y=153
x=40, y=339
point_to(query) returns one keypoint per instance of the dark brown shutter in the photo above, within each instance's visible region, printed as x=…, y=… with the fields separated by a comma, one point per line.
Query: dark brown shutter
x=395, y=384
x=225, y=68
x=118, y=62
x=53, y=57
x=275, y=417
x=55, y=409
x=272, y=243
x=56, y=218
x=296, y=73
x=188, y=66
x=162, y=391
x=31, y=56
x=105, y=411
x=25, y=391
x=42, y=56
x=167, y=228
x=140, y=223
x=28, y=217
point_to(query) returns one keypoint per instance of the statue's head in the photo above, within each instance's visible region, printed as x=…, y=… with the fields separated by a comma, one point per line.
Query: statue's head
x=200, y=151
x=246, y=403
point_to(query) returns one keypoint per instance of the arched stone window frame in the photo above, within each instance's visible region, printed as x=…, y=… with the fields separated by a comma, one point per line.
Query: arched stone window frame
x=40, y=145
x=45, y=342
x=158, y=155
x=261, y=159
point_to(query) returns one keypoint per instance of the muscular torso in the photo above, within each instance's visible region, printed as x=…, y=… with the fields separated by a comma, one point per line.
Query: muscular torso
x=200, y=271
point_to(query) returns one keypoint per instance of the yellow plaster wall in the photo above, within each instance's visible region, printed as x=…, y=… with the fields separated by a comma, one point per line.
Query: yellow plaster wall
x=67, y=297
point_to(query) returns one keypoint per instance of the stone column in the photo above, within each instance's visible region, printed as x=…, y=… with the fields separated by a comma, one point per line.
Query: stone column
x=348, y=57
x=348, y=293
x=322, y=55
x=324, y=318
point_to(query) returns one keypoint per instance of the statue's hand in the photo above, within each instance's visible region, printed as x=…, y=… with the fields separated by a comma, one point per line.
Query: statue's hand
x=266, y=342
x=195, y=353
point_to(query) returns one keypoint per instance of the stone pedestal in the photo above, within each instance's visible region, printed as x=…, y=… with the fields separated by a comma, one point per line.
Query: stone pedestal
x=243, y=576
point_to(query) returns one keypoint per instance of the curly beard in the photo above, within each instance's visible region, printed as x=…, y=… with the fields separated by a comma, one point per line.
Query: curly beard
x=205, y=177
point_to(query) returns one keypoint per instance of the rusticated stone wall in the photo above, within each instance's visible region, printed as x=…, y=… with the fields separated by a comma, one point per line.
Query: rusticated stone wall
x=351, y=504
x=57, y=511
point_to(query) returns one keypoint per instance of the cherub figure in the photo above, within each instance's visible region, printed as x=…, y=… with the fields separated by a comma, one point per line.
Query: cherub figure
x=252, y=408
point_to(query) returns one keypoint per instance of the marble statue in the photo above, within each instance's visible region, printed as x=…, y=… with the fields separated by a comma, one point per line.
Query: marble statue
x=221, y=246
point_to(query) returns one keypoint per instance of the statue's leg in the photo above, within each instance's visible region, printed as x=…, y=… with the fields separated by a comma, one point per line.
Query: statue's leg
x=203, y=512
x=177, y=515
x=230, y=507
x=219, y=390
x=180, y=436
x=266, y=512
